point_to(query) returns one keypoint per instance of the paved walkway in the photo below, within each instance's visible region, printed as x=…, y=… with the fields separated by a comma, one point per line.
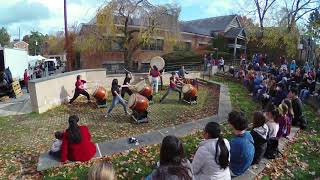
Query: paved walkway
x=21, y=105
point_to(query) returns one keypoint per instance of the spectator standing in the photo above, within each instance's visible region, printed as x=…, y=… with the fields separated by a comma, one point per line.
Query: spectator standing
x=211, y=160
x=242, y=144
x=26, y=78
x=221, y=64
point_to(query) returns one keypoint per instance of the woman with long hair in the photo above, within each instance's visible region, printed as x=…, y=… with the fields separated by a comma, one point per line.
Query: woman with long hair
x=76, y=142
x=173, y=164
x=212, y=158
x=115, y=90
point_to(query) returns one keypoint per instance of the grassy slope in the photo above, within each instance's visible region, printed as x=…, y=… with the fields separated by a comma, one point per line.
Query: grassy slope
x=139, y=163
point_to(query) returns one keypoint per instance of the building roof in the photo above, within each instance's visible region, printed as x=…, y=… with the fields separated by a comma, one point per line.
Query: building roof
x=208, y=25
x=233, y=32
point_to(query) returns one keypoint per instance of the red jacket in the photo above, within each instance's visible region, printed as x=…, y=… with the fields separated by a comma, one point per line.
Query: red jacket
x=83, y=151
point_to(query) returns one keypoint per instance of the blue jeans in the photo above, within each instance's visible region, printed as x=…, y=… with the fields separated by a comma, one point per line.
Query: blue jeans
x=115, y=101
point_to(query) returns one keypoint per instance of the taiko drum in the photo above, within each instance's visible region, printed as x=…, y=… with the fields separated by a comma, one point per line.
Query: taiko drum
x=100, y=94
x=189, y=90
x=138, y=102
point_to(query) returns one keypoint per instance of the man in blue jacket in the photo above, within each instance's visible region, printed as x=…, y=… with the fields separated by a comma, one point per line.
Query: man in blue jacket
x=241, y=145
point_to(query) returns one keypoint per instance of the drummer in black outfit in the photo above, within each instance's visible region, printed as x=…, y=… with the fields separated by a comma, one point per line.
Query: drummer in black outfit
x=126, y=81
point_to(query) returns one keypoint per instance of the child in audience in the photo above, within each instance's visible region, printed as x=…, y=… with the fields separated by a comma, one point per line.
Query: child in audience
x=259, y=134
x=56, y=146
x=272, y=114
x=242, y=144
x=173, y=164
x=290, y=115
x=283, y=121
x=211, y=160
x=101, y=170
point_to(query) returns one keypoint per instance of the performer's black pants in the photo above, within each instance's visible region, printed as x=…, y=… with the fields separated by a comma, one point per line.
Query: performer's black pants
x=125, y=90
x=77, y=92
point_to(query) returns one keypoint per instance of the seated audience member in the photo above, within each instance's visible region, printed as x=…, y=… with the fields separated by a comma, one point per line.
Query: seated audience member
x=280, y=95
x=76, y=143
x=259, y=134
x=283, y=121
x=56, y=146
x=211, y=160
x=173, y=164
x=262, y=90
x=242, y=145
x=272, y=115
x=101, y=170
x=290, y=115
x=298, y=119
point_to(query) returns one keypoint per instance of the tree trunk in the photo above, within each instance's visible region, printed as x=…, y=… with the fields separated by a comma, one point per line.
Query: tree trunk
x=128, y=61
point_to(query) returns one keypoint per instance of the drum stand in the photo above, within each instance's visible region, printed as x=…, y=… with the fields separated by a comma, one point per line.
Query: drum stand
x=190, y=100
x=140, y=117
x=150, y=98
x=101, y=104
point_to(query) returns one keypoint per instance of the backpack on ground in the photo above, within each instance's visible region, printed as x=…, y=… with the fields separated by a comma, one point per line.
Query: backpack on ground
x=272, y=149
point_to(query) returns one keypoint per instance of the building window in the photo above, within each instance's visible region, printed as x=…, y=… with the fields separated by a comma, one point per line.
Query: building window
x=154, y=45
x=183, y=46
x=116, y=44
x=113, y=67
x=200, y=45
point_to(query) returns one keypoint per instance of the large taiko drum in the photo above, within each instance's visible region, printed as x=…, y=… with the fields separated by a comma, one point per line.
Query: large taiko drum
x=144, y=89
x=158, y=62
x=100, y=94
x=189, y=90
x=138, y=103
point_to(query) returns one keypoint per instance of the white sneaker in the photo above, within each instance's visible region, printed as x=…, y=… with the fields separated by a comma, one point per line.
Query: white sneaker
x=107, y=116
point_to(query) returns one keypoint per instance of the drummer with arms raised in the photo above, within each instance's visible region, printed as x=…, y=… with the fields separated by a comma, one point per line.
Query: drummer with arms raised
x=155, y=74
x=173, y=86
x=80, y=90
x=126, y=81
x=182, y=72
x=115, y=89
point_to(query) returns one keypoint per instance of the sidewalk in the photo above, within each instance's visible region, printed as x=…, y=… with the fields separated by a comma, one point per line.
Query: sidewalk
x=21, y=105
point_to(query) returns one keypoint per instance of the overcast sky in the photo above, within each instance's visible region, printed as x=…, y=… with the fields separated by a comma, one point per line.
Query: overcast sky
x=46, y=16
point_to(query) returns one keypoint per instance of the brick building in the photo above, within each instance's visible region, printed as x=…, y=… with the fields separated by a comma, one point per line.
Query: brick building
x=195, y=34
x=21, y=45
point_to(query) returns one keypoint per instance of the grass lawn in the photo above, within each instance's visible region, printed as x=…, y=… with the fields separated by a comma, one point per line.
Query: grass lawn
x=24, y=137
x=140, y=162
x=301, y=158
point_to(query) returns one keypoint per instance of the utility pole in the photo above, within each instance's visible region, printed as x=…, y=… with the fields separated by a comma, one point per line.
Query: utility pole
x=66, y=35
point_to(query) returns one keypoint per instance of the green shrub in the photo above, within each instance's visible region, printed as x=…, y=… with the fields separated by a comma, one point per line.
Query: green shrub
x=182, y=56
